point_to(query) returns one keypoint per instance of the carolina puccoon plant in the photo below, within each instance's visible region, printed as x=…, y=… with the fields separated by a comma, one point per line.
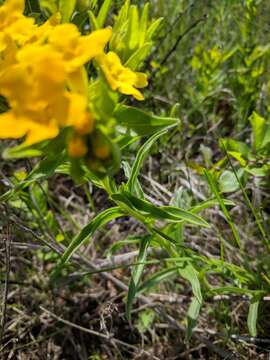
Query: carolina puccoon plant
x=68, y=91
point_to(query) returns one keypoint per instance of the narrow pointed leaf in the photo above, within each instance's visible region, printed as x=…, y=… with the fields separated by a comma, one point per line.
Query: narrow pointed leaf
x=103, y=13
x=142, y=153
x=136, y=275
x=189, y=273
x=252, y=316
x=66, y=8
x=100, y=220
x=192, y=315
x=157, y=279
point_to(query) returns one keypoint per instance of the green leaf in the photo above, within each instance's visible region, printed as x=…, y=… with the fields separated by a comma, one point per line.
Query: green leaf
x=100, y=220
x=231, y=145
x=252, y=316
x=259, y=172
x=142, y=153
x=209, y=203
x=116, y=246
x=261, y=131
x=66, y=8
x=168, y=213
x=192, y=315
x=143, y=24
x=152, y=29
x=238, y=157
x=142, y=122
x=50, y=5
x=256, y=54
x=136, y=275
x=126, y=140
x=38, y=193
x=157, y=278
x=103, y=100
x=214, y=188
x=93, y=21
x=133, y=28
x=103, y=12
x=138, y=191
x=189, y=273
x=185, y=215
x=228, y=182
x=21, y=151
x=258, y=124
x=122, y=17
x=233, y=290
x=83, y=5
x=138, y=56
x=146, y=318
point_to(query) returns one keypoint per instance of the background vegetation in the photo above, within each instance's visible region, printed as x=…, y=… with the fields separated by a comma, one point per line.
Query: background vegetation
x=205, y=297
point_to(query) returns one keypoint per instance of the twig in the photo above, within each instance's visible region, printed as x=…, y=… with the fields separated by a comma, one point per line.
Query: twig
x=109, y=277
x=180, y=37
x=250, y=339
x=5, y=291
x=169, y=30
x=173, y=323
x=96, y=333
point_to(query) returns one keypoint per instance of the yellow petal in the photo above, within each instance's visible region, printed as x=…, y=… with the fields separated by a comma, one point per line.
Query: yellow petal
x=11, y=127
x=78, y=81
x=141, y=80
x=15, y=5
x=65, y=38
x=3, y=43
x=130, y=90
x=120, y=77
x=38, y=132
x=93, y=44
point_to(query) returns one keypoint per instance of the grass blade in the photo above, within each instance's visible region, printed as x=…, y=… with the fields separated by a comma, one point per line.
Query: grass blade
x=136, y=275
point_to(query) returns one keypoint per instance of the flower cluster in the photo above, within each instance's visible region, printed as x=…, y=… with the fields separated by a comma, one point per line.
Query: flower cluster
x=44, y=81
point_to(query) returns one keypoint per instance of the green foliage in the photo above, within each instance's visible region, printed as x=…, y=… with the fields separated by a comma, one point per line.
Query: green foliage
x=252, y=317
x=101, y=219
x=141, y=122
x=217, y=84
x=133, y=34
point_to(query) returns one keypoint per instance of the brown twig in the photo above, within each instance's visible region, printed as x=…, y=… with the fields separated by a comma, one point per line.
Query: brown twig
x=180, y=37
x=109, y=338
x=82, y=260
x=6, y=283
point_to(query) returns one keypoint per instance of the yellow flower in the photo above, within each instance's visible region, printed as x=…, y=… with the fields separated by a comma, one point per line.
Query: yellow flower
x=14, y=126
x=39, y=100
x=43, y=79
x=121, y=78
x=13, y=24
x=15, y=30
x=77, y=50
x=30, y=112
x=41, y=33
